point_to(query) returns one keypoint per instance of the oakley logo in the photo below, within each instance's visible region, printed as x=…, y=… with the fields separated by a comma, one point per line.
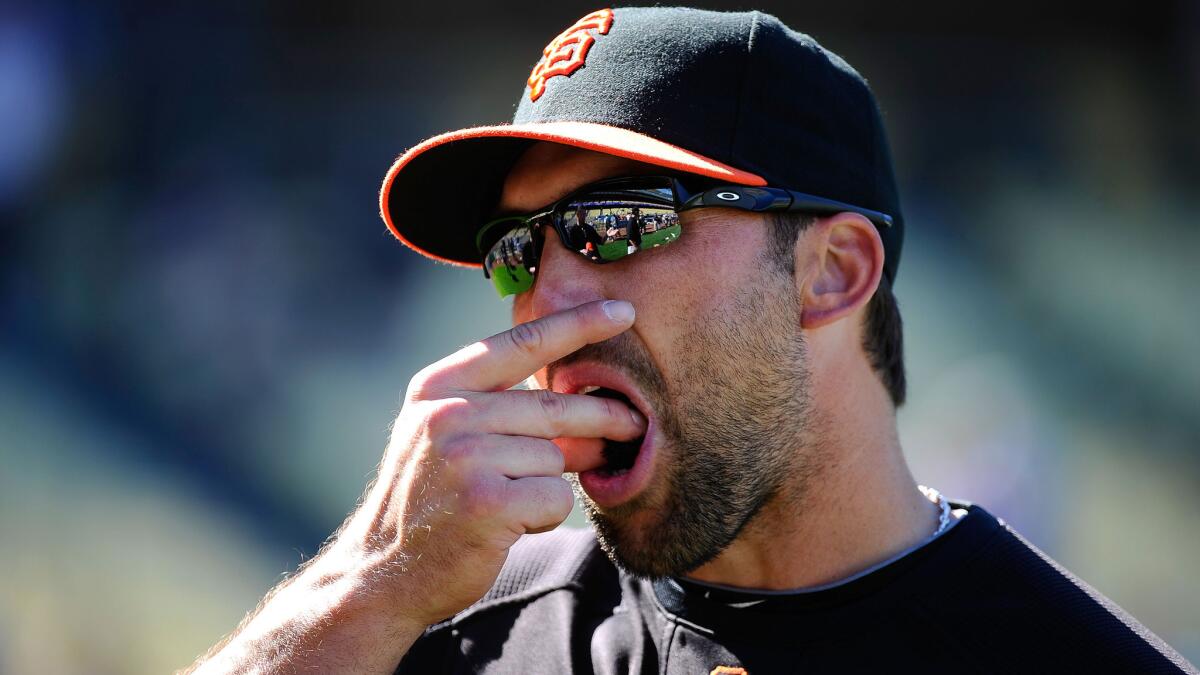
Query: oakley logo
x=728, y=196
x=566, y=53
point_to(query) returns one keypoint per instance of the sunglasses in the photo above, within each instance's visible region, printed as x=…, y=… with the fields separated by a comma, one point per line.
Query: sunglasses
x=615, y=218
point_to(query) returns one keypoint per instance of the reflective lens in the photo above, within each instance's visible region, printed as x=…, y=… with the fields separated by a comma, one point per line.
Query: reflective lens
x=512, y=261
x=607, y=226
x=602, y=224
x=618, y=217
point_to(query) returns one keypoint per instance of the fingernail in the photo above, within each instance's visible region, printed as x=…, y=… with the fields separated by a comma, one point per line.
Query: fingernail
x=638, y=419
x=618, y=311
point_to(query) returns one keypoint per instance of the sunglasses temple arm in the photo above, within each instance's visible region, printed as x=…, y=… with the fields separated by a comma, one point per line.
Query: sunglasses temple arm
x=803, y=202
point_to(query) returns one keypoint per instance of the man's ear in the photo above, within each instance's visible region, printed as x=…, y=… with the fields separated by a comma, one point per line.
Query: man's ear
x=842, y=264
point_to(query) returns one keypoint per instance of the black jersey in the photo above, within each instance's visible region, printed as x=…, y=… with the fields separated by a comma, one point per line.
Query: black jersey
x=978, y=599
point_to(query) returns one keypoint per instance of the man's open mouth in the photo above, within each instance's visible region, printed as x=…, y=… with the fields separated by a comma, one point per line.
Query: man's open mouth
x=619, y=455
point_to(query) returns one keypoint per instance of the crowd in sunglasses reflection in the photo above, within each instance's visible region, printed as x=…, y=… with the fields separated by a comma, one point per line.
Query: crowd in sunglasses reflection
x=512, y=254
x=584, y=236
x=603, y=223
x=623, y=227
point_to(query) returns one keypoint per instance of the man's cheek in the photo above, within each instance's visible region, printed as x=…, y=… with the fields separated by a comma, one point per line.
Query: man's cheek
x=520, y=311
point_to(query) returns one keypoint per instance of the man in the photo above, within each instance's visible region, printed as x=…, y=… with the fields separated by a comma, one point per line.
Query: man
x=585, y=231
x=733, y=439
x=634, y=230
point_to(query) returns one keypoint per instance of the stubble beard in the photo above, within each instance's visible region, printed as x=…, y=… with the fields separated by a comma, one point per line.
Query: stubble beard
x=735, y=434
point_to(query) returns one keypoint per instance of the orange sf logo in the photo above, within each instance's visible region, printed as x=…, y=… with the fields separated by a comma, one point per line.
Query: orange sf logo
x=565, y=53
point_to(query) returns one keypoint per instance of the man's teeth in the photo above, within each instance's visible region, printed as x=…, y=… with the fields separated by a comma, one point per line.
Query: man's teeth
x=588, y=389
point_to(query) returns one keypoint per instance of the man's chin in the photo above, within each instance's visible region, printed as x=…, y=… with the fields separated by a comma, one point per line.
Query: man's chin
x=640, y=543
x=628, y=551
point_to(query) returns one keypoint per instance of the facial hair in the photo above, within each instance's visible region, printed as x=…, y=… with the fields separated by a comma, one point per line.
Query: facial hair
x=734, y=433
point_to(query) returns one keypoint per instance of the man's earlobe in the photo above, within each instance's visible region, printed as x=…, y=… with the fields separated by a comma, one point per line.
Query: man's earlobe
x=845, y=262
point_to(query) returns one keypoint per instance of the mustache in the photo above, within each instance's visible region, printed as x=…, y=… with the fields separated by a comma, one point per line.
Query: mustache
x=622, y=352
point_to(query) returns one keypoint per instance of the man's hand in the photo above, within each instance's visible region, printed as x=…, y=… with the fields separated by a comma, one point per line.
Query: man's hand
x=471, y=467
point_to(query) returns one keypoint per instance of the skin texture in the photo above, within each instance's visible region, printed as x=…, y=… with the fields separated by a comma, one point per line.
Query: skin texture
x=776, y=461
x=730, y=419
x=469, y=469
x=768, y=411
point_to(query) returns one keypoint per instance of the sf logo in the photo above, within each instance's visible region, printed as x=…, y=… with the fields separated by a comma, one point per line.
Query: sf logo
x=566, y=53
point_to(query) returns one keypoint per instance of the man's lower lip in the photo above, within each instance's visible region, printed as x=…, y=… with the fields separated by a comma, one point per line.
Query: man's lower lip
x=608, y=490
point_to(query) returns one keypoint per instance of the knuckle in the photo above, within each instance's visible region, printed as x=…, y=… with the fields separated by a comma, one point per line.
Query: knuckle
x=553, y=457
x=550, y=504
x=563, y=498
x=459, y=452
x=553, y=405
x=528, y=337
x=544, y=457
x=421, y=384
x=483, y=500
x=447, y=416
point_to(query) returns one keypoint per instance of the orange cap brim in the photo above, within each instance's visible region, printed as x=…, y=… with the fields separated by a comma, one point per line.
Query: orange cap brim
x=587, y=135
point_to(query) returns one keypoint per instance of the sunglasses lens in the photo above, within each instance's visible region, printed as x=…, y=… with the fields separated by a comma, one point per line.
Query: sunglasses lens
x=611, y=221
x=608, y=225
x=512, y=261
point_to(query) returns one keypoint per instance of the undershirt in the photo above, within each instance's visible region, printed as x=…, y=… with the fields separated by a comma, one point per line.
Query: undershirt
x=977, y=599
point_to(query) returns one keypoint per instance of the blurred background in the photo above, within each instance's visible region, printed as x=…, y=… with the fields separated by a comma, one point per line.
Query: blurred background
x=205, y=328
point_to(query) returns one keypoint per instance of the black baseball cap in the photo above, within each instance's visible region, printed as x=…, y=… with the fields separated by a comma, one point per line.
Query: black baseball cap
x=734, y=96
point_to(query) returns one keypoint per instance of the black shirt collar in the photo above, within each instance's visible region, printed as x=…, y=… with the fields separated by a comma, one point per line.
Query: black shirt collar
x=717, y=607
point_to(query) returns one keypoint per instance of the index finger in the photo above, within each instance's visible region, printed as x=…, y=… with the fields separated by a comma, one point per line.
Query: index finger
x=507, y=358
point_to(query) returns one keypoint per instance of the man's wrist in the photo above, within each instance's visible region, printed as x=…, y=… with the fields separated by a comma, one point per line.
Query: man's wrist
x=358, y=586
x=330, y=616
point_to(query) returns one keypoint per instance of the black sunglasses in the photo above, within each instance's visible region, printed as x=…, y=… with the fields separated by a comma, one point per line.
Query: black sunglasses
x=615, y=218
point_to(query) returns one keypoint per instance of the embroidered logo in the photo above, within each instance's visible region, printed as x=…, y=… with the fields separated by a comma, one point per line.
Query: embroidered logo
x=566, y=53
x=728, y=670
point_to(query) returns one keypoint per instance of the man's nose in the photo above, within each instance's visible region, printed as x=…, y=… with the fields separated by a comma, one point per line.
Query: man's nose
x=565, y=279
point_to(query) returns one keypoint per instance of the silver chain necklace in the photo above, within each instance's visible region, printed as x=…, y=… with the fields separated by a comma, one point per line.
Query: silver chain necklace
x=943, y=505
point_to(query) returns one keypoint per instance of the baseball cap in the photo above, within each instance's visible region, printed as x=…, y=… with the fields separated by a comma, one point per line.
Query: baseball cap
x=733, y=96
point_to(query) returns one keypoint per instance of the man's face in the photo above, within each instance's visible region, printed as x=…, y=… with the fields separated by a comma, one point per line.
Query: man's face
x=715, y=360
